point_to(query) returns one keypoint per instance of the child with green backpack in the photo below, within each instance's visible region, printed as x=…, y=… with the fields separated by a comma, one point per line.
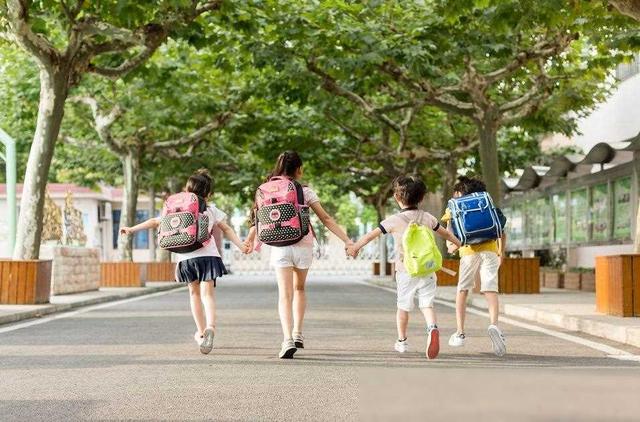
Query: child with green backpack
x=417, y=258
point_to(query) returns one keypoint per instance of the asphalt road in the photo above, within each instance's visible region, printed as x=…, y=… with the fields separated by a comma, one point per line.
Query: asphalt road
x=137, y=361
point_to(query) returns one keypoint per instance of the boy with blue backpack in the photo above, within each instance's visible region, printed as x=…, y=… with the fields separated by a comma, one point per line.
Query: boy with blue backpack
x=417, y=258
x=473, y=218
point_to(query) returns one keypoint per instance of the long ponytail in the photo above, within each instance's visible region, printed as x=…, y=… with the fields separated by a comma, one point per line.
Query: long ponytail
x=287, y=164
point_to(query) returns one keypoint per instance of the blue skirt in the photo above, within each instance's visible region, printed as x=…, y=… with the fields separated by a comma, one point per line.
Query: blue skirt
x=204, y=268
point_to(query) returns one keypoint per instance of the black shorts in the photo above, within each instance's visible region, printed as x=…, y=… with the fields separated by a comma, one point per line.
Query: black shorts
x=204, y=268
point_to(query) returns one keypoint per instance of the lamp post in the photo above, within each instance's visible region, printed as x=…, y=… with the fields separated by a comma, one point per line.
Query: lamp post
x=9, y=157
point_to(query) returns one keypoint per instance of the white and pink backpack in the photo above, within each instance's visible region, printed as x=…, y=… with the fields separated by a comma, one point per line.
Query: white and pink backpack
x=184, y=225
x=282, y=218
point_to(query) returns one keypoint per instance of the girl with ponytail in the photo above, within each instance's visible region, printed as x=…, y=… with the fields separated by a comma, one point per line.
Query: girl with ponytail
x=292, y=262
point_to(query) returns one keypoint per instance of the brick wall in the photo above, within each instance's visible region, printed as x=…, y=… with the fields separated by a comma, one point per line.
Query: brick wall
x=75, y=270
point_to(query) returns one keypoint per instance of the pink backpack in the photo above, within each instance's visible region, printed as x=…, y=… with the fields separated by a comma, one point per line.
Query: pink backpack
x=184, y=225
x=282, y=218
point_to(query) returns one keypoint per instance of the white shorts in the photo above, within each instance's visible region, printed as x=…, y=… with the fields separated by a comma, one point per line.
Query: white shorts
x=488, y=263
x=409, y=287
x=296, y=256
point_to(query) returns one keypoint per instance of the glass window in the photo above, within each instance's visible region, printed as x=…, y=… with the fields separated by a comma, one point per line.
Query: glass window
x=515, y=226
x=544, y=221
x=115, y=216
x=530, y=226
x=141, y=239
x=559, y=217
x=579, y=215
x=600, y=211
x=622, y=208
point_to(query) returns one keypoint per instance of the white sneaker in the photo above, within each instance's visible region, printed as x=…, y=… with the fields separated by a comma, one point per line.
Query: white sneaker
x=401, y=346
x=288, y=349
x=198, y=338
x=497, y=340
x=457, y=339
x=207, y=341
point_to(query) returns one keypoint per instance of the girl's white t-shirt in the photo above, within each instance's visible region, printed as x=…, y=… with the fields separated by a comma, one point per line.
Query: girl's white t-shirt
x=310, y=198
x=210, y=249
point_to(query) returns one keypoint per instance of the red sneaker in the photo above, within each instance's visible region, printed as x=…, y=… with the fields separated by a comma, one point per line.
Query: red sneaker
x=433, y=343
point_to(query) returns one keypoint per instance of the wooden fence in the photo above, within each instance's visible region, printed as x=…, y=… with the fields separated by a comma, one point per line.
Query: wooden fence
x=158, y=271
x=516, y=275
x=120, y=274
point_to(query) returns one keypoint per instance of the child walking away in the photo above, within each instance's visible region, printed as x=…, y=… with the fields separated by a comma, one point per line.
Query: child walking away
x=185, y=228
x=281, y=220
x=481, y=259
x=417, y=259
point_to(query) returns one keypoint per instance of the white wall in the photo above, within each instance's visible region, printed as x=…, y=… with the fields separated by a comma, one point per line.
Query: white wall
x=585, y=257
x=615, y=120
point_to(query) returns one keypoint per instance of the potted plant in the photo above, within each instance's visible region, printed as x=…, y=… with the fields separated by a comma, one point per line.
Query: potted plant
x=588, y=283
x=572, y=279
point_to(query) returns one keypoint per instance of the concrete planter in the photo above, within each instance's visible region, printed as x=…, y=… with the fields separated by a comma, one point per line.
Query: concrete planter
x=25, y=282
x=588, y=283
x=572, y=280
x=553, y=279
x=75, y=270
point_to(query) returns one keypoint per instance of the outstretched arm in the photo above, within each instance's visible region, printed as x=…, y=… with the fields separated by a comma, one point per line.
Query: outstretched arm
x=363, y=241
x=330, y=223
x=449, y=237
x=151, y=223
x=232, y=236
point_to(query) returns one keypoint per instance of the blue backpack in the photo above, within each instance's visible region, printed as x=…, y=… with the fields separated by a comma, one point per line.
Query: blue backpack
x=475, y=219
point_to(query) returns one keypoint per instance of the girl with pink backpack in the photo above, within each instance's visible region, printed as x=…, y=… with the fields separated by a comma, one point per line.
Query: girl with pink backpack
x=281, y=220
x=185, y=228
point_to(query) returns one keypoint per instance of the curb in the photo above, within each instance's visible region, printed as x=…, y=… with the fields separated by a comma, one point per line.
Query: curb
x=620, y=334
x=56, y=308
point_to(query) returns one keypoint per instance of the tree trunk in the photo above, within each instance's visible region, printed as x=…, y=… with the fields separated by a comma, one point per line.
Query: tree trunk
x=449, y=178
x=53, y=94
x=152, y=214
x=131, y=170
x=489, y=160
x=383, y=241
x=628, y=7
x=636, y=186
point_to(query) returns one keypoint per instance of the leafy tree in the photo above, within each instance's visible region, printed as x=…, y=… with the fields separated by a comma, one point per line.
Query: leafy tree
x=145, y=125
x=68, y=40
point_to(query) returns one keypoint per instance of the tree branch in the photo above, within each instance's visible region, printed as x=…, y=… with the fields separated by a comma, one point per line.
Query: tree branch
x=102, y=122
x=198, y=135
x=21, y=32
x=330, y=85
x=542, y=49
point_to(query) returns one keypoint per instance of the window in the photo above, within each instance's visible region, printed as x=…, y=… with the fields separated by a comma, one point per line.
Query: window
x=622, y=208
x=115, y=217
x=141, y=239
x=516, y=226
x=559, y=218
x=543, y=221
x=579, y=215
x=600, y=212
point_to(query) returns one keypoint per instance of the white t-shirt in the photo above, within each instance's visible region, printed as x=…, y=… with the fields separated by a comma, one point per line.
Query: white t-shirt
x=310, y=198
x=210, y=249
x=396, y=226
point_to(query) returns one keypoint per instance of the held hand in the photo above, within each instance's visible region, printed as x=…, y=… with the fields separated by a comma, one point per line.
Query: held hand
x=247, y=248
x=352, y=251
x=126, y=230
x=451, y=248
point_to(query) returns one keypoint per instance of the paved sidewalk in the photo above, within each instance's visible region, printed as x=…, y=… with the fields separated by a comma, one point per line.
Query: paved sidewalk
x=61, y=303
x=567, y=309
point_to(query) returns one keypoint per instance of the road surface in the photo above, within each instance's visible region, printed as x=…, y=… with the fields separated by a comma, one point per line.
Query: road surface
x=136, y=360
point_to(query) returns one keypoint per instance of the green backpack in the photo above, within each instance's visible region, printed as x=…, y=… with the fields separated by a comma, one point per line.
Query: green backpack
x=421, y=254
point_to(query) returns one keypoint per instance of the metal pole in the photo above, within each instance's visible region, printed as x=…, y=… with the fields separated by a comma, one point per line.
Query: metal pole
x=10, y=160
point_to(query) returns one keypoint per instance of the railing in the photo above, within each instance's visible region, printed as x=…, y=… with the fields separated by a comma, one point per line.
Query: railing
x=329, y=258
